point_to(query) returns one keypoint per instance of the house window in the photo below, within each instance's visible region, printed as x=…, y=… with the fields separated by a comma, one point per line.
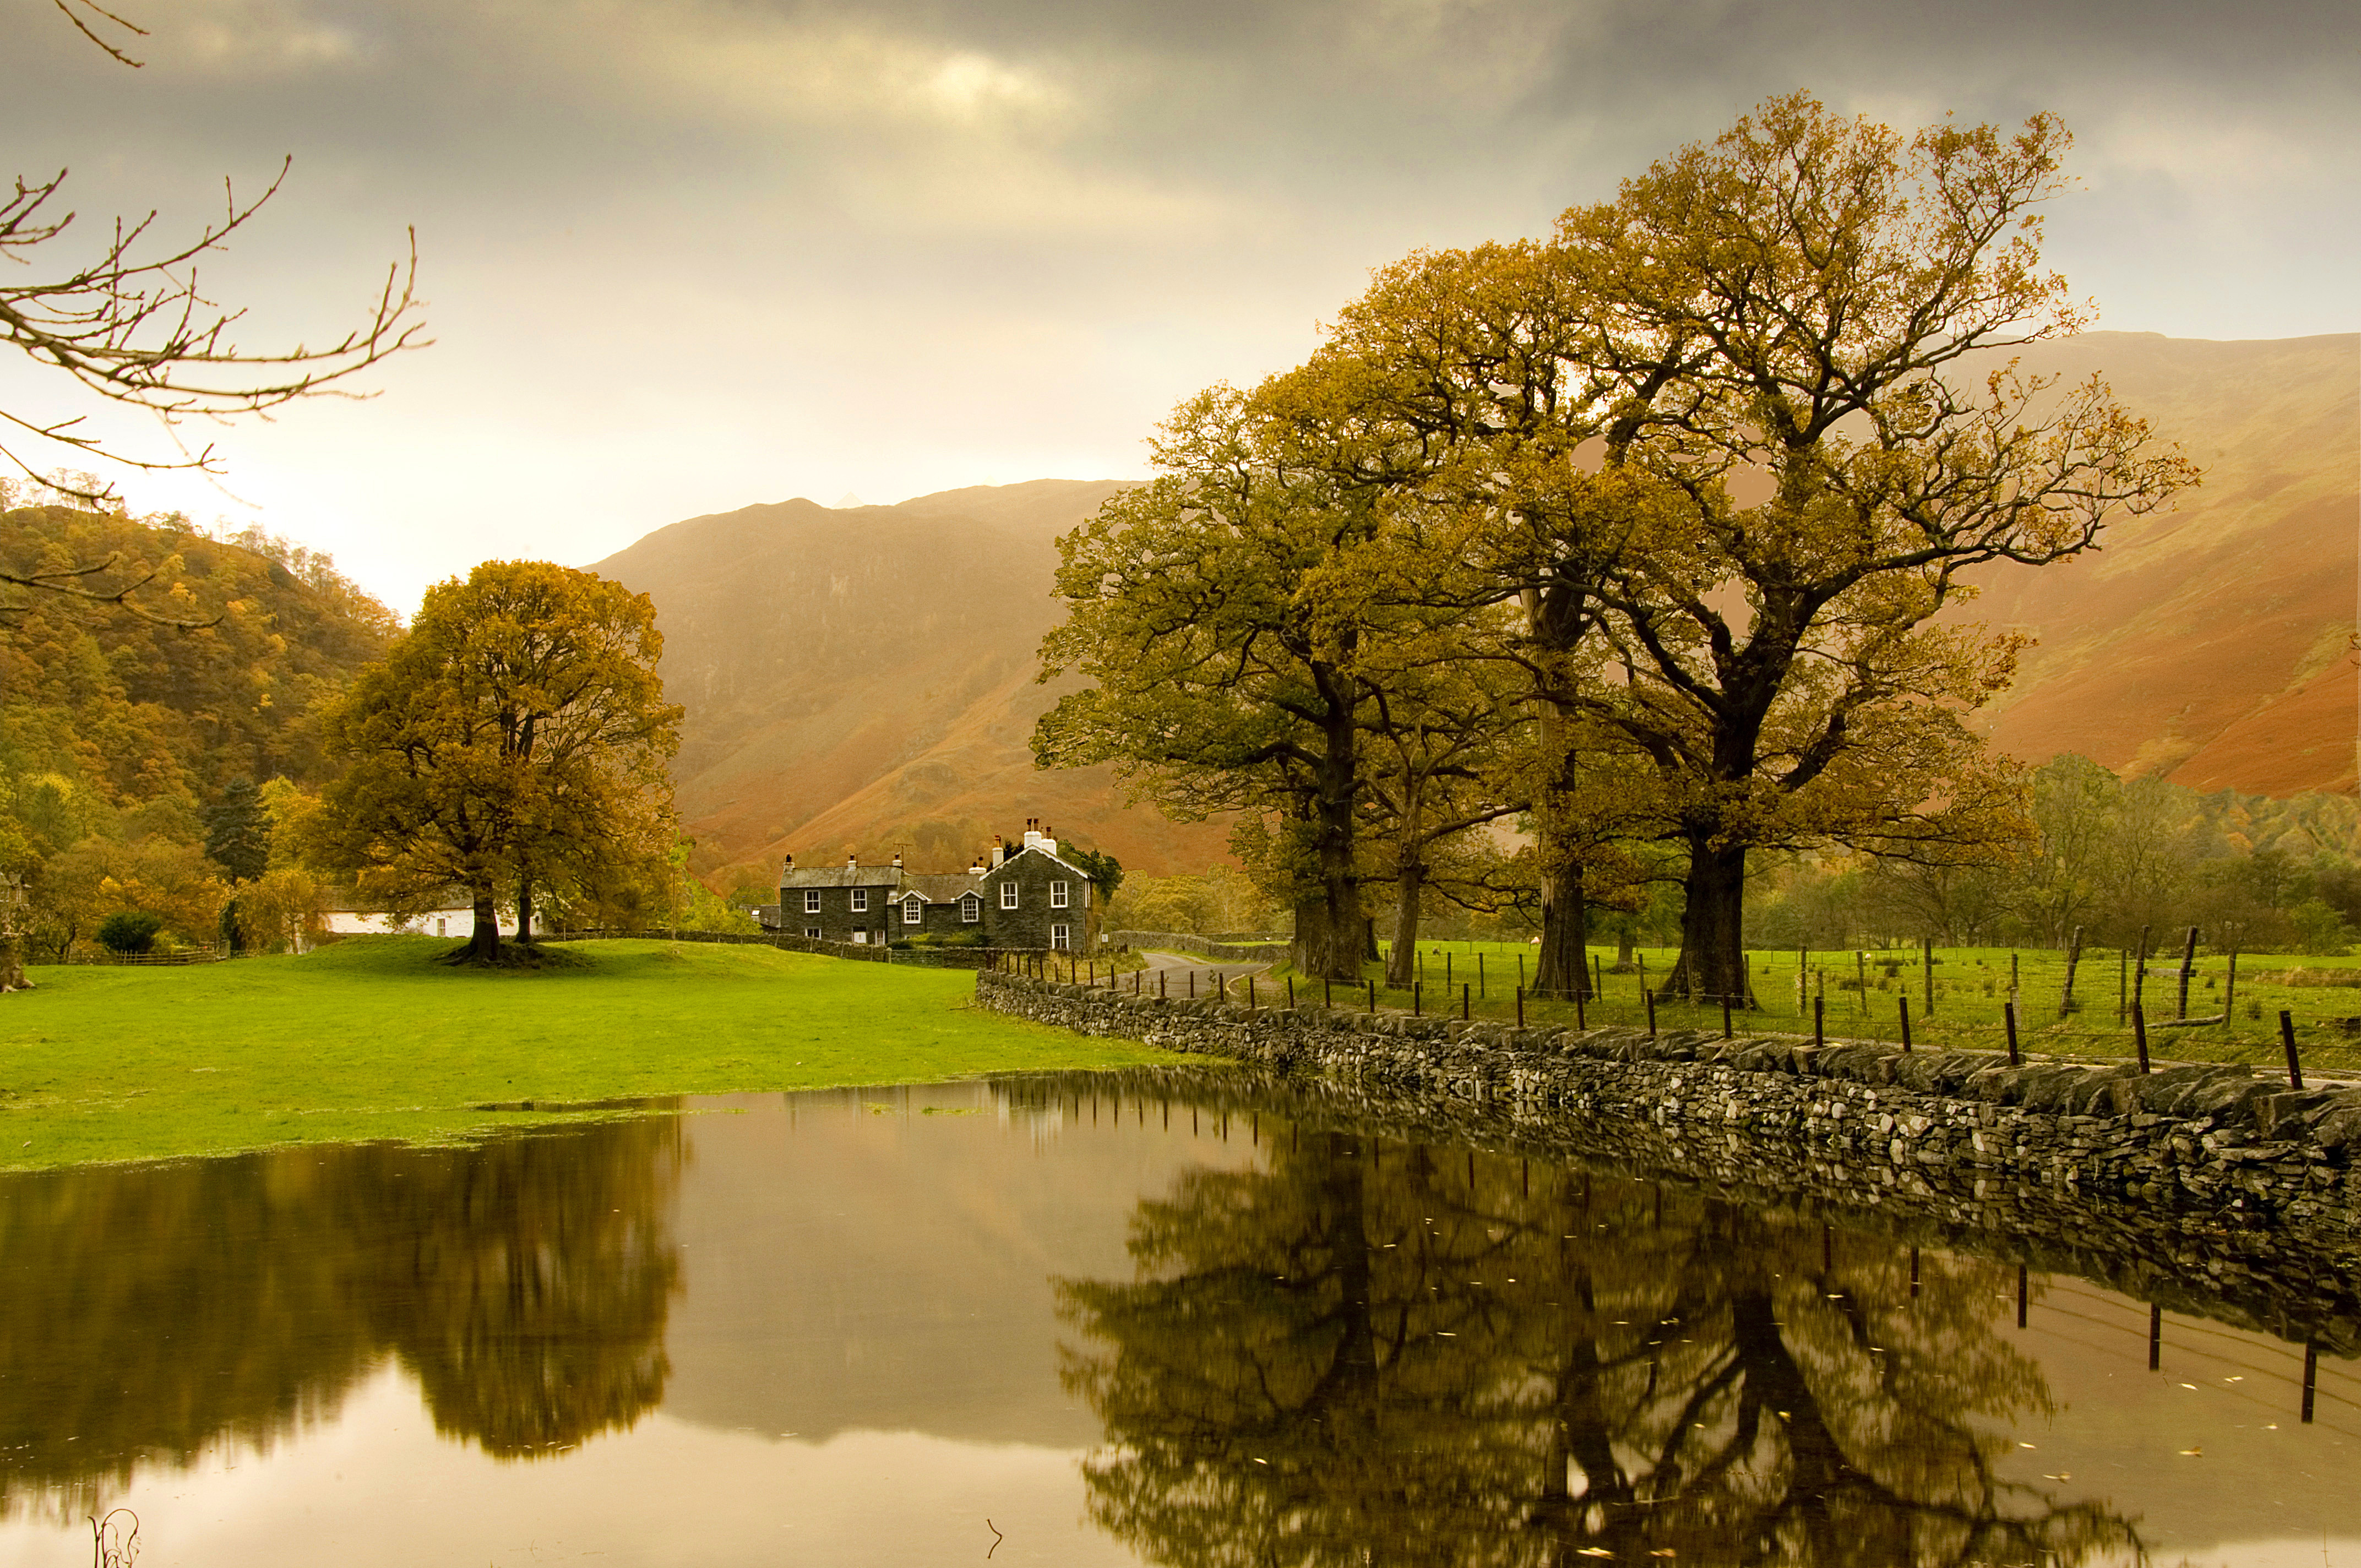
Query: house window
x=860, y=935
x=913, y=910
x=1058, y=935
x=813, y=932
x=1057, y=895
x=861, y=901
x=1008, y=894
x=811, y=903
x=971, y=908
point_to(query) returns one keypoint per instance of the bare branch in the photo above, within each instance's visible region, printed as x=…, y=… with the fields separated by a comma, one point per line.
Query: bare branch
x=74, y=11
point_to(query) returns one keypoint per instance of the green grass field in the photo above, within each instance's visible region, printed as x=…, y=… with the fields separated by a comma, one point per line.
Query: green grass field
x=1970, y=986
x=369, y=1038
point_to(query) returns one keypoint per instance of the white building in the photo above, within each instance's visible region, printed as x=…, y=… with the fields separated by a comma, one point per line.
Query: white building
x=453, y=916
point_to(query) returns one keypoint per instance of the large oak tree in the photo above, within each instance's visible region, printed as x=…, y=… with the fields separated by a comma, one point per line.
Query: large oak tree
x=1778, y=331
x=517, y=736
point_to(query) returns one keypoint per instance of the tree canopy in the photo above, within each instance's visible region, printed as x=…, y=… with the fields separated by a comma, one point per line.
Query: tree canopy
x=1693, y=479
x=516, y=736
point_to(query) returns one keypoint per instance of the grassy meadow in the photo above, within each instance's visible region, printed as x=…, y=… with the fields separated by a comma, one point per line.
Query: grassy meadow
x=370, y=1038
x=1970, y=986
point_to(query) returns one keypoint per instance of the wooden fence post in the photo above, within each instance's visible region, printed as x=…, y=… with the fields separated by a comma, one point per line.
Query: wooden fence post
x=2187, y=962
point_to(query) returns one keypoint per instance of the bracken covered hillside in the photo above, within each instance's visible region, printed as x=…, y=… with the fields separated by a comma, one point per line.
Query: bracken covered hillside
x=2210, y=644
x=863, y=679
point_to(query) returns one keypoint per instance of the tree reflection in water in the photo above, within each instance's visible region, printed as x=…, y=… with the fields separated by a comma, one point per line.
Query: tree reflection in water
x=147, y=1313
x=1372, y=1353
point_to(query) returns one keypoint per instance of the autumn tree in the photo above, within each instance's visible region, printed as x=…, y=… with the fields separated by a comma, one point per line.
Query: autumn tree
x=1777, y=332
x=1221, y=681
x=1453, y=395
x=1440, y=731
x=517, y=735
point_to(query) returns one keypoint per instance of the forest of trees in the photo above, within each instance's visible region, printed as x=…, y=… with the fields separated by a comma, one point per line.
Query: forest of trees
x=185, y=769
x=1636, y=537
x=129, y=741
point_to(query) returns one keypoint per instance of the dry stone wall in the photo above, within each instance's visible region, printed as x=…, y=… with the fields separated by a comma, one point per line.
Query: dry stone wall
x=2220, y=1177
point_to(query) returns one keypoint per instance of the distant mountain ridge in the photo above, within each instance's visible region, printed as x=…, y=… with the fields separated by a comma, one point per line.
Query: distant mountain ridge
x=863, y=677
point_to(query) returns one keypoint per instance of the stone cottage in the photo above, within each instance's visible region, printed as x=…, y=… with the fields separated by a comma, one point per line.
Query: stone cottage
x=1025, y=895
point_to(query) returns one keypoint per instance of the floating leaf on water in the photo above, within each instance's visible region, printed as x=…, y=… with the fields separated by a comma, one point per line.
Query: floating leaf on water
x=2192, y=1454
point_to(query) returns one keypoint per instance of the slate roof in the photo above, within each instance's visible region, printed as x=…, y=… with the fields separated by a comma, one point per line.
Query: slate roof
x=941, y=887
x=841, y=876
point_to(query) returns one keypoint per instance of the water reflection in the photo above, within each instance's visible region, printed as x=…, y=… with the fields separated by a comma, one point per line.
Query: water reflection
x=1369, y=1352
x=146, y=1314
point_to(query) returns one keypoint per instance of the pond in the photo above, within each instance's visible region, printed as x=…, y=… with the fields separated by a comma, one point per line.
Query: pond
x=1169, y=1317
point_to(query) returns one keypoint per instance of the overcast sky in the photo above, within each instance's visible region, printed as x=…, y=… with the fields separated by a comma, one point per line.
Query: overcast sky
x=683, y=256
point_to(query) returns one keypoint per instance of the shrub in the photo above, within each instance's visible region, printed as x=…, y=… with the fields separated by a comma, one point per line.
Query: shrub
x=130, y=931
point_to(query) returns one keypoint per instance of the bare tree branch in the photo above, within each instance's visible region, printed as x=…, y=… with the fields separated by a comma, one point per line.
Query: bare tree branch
x=74, y=11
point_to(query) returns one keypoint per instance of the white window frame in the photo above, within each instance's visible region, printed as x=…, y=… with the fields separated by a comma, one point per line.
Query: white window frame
x=860, y=935
x=914, y=910
x=861, y=901
x=812, y=933
x=1057, y=895
x=812, y=901
x=971, y=908
x=1060, y=935
x=1008, y=893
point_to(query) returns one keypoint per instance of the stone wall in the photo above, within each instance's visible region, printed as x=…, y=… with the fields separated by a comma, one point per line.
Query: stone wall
x=2199, y=1178
x=1206, y=946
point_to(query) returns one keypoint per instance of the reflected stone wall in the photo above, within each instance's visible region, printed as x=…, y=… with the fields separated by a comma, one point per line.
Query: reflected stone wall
x=2206, y=1184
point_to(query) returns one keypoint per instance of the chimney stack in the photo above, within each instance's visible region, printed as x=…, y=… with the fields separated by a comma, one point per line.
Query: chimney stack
x=853, y=860
x=897, y=859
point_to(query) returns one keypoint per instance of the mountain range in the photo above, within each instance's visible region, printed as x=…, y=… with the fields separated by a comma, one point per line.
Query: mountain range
x=863, y=679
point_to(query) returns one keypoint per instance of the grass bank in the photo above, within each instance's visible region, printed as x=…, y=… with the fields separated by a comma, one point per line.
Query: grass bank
x=370, y=1038
x=1861, y=996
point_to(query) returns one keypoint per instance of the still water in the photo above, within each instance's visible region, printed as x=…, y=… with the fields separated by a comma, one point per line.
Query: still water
x=1092, y=1322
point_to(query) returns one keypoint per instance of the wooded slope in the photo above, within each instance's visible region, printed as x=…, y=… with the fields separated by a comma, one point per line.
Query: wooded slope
x=138, y=714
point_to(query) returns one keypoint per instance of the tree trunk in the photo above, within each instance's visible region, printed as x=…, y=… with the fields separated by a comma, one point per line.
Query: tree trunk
x=1333, y=949
x=1563, y=967
x=1713, y=955
x=524, y=907
x=1625, y=945
x=485, y=943
x=1408, y=877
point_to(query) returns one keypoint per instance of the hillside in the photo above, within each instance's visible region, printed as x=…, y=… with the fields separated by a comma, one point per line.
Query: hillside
x=135, y=714
x=863, y=678
x=2209, y=644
